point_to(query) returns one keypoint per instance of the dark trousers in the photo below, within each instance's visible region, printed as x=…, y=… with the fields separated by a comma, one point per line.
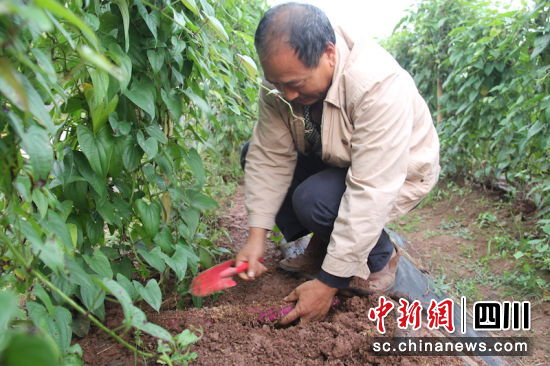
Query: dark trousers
x=311, y=205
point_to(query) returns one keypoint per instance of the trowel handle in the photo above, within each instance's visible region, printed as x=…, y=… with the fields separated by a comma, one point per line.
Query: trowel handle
x=243, y=267
x=234, y=270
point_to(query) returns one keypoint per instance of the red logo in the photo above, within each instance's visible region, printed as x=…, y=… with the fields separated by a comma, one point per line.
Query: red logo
x=380, y=312
x=409, y=314
x=440, y=314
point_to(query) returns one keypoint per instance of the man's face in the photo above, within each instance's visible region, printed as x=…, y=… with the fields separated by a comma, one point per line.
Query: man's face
x=297, y=82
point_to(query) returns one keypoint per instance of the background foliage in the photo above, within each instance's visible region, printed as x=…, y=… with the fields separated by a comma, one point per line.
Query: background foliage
x=106, y=110
x=484, y=69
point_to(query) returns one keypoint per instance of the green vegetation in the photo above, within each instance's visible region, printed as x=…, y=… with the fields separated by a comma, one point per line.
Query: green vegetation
x=115, y=118
x=484, y=70
x=484, y=247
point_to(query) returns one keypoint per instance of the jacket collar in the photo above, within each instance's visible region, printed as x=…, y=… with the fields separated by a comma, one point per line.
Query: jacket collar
x=343, y=51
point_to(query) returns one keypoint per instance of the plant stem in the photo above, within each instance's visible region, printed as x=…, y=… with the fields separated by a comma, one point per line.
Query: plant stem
x=93, y=319
x=70, y=301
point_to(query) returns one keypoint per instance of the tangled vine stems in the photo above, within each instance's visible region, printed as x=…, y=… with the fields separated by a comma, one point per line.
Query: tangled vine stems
x=42, y=278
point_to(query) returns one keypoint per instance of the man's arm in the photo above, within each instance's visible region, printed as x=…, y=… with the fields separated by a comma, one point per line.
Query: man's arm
x=270, y=163
x=383, y=123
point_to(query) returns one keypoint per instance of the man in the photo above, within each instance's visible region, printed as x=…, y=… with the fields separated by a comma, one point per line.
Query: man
x=349, y=148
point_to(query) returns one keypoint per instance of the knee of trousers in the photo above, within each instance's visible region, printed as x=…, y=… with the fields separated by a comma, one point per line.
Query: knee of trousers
x=312, y=211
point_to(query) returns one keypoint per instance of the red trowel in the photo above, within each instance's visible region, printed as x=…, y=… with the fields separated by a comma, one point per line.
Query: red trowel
x=217, y=278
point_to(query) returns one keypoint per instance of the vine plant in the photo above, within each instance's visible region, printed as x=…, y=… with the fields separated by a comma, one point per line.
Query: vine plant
x=106, y=111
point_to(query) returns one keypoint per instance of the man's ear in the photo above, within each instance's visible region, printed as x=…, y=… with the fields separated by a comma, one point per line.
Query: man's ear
x=331, y=54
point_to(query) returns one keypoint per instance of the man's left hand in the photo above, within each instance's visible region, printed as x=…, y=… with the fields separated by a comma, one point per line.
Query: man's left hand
x=314, y=301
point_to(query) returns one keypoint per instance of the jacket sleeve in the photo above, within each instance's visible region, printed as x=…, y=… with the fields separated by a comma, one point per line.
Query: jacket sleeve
x=382, y=115
x=270, y=163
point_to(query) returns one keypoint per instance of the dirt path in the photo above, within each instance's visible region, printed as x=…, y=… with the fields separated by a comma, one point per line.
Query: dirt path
x=233, y=333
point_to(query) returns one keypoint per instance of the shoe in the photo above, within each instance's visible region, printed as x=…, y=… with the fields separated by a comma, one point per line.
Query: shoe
x=377, y=282
x=310, y=261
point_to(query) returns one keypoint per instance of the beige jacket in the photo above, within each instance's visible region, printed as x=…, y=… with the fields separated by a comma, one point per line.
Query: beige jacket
x=374, y=122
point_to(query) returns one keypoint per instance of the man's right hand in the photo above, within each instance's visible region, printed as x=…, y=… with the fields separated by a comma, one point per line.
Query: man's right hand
x=252, y=251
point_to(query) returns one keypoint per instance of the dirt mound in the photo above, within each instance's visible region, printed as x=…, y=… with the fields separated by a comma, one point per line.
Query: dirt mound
x=236, y=330
x=238, y=335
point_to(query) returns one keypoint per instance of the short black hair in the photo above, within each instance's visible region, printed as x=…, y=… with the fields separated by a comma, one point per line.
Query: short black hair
x=304, y=27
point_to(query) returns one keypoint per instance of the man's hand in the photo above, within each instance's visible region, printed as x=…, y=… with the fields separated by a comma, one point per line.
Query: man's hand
x=252, y=251
x=314, y=301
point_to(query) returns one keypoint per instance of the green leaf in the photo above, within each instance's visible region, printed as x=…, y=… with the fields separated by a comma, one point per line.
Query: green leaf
x=33, y=234
x=150, y=18
x=52, y=255
x=40, y=201
x=536, y=128
x=99, y=263
x=38, y=315
x=150, y=293
x=120, y=128
x=11, y=87
x=8, y=304
x=62, y=12
x=249, y=65
x=63, y=31
x=134, y=316
x=92, y=295
x=62, y=320
x=191, y=217
x=186, y=338
x=217, y=26
x=518, y=254
x=132, y=154
x=164, y=240
x=97, y=183
x=142, y=94
x=541, y=43
x=194, y=161
x=156, y=331
x=57, y=325
x=155, y=258
x=178, y=262
x=191, y=5
x=125, y=282
x=124, y=62
x=45, y=64
x=100, y=61
x=73, y=231
x=149, y=215
x=17, y=353
x=98, y=148
x=119, y=292
x=55, y=224
x=156, y=132
x=41, y=294
x=201, y=201
x=123, y=6
x=36, y=142
x=172, y=102
x=35, y=106
x=199, y=101
x=80, y=326
x=150, y=145
x=96, y=96
x=77, y=275
x=156, y=59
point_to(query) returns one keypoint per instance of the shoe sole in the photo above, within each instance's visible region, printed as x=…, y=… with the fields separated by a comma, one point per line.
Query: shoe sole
x=289, y=269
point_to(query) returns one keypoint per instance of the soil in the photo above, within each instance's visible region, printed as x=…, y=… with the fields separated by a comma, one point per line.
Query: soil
x=447, y=241
x=236, y=331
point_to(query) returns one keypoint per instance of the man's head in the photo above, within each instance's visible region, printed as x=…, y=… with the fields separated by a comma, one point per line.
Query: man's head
x=296, y=46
